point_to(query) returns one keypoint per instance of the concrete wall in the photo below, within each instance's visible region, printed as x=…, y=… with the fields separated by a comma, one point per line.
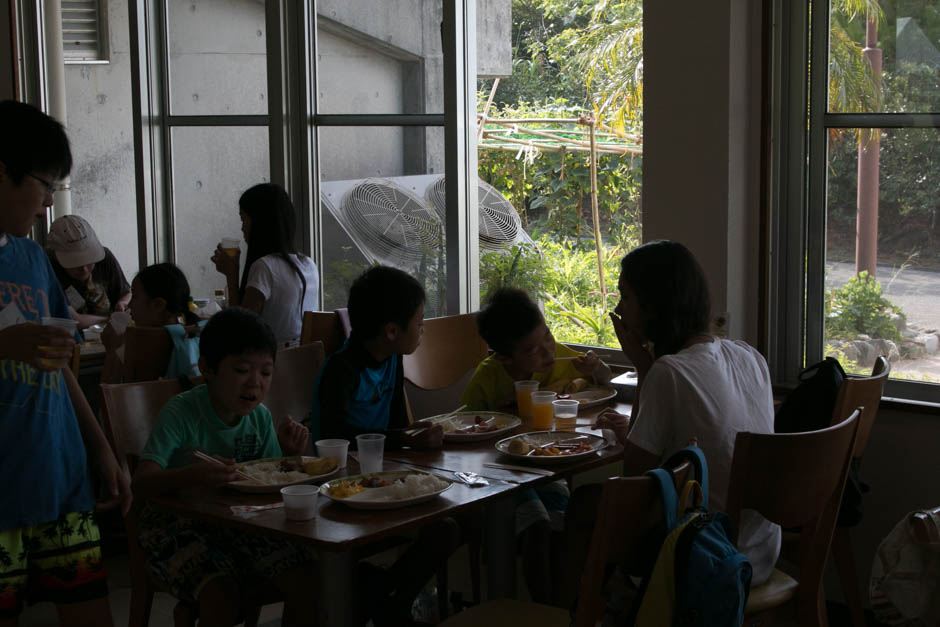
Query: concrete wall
x=100, y=127
x=701, y=127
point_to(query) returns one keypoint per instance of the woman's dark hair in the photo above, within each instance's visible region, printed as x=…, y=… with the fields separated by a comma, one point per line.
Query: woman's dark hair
x=31, y=141
x=272, y=229
x=380, y=295
x=166, y=281
x=508, y=316
x=672, y=292
x=235, y=331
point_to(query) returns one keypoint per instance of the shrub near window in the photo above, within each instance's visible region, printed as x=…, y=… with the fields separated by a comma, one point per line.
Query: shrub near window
x=859, y=308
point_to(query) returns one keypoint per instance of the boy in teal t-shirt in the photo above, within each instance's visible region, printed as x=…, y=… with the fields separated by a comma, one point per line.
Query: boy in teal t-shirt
x=49, y=542
x=225, y=418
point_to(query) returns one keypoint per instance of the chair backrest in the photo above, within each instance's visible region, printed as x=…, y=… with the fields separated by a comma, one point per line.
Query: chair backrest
x=796, y=479
x=325, y=326
x=76, y=361
x=130, y=410
x=450, y=347
x=864, y=392
x=147, y=352
x=630, y=511
x=295, y=373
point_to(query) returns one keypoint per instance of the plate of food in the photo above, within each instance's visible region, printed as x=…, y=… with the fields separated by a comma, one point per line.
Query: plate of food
x=273, y=473
x=470, y=426
x=385, y=490
x=592, y=396
x=550, y=447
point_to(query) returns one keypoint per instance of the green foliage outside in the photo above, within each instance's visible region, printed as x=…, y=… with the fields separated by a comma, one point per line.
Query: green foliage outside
x=860, y=308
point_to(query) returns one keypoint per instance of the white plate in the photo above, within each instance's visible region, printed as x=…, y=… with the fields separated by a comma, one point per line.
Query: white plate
x=544, y=437
x=506, y=422
x=366, y=500
x=593, y=396
x=266, y=488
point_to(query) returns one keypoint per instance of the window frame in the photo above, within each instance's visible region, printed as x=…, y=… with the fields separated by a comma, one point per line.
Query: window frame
x=800, y=121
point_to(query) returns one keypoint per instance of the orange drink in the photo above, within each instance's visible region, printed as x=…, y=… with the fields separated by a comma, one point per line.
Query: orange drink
x=63, y=323
x=524, y=391
x=230, y=246
x=542, y=410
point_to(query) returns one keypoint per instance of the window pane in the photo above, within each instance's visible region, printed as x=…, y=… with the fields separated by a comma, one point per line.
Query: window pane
x=375, y=56
x=539, y=173
x=899, y=73
x=894, y=309
x=217, y=57
x=211, y=168
x=377, y=205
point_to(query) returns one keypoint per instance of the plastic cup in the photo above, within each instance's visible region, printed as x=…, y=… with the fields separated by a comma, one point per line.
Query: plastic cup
x=337, y=449
x=566, y=414
x=371, y=449
x=63, y=323
x=120, y=320
x=300, y=501
x=524, y=391
x=542, y=409
x=230, y=246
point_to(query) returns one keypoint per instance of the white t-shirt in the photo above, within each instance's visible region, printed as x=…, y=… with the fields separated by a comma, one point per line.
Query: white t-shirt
x=281, y=287
x=711, y=391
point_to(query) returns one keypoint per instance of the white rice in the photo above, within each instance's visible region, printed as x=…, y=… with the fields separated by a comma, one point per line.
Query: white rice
x=268, y=473
x=416, y=485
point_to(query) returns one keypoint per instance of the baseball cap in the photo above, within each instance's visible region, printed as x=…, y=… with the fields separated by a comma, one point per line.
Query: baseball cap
x=74, y=242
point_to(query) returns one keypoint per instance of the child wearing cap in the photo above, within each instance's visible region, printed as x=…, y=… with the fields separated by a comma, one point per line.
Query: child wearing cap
x=91, y=277
x=49, y=542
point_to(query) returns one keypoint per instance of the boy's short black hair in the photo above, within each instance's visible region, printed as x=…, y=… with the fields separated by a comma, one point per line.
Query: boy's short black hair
x=507, y=317
x=235, y=331
x=380, y=295
x=31, y=141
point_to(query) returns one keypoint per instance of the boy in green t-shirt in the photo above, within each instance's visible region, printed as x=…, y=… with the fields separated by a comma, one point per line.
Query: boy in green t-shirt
x=525, y=349
x=223, y=417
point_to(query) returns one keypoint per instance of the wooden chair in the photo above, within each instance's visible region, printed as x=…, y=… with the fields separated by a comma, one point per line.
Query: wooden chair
x=793, y=479
x=450, y=348
x=147, y=353
x=863, y=392
x=295, y=373
x=75, y=362
x=130, y=410
x=325, y=326
x=629, y=511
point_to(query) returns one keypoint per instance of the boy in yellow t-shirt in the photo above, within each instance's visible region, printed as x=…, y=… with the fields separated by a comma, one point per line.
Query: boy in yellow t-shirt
x=524, y=348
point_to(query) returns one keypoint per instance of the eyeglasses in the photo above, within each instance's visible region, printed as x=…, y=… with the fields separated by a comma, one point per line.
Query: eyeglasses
x=49, y=187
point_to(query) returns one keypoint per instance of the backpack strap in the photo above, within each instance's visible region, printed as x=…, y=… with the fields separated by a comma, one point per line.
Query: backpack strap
x=668, y=495
x=693, y=454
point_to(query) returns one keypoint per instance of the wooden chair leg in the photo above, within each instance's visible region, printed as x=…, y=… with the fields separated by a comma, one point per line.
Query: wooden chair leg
x=141, y=603
x=185, y=614
x=845, y=564
x=474, y=547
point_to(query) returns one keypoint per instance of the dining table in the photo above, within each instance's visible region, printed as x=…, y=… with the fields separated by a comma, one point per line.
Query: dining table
x=340, y=536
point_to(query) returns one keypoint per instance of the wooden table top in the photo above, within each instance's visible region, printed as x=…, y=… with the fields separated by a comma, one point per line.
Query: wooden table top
x=341, y=528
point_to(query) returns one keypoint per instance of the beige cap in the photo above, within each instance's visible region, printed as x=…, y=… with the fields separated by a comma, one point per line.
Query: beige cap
x=74, y=242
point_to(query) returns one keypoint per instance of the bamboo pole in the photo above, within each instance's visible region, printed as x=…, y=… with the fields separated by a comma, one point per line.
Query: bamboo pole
x=481, y=119
x=595, y=213
x=612, y=149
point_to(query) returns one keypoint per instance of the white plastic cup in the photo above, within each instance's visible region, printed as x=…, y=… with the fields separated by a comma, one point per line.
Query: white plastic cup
x=337, y=449
x=63, y=323
x=542, y=409
x=566, y=414
x=524, y=391
x=120, y=320
x=371, y=450
x=300, y=501
x=230, y=246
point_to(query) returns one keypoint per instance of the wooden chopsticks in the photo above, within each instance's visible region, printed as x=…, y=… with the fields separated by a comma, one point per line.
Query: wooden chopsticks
x=209, y=458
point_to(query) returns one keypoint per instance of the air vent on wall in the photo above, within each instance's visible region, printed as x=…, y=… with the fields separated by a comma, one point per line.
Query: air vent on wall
x=84, y=31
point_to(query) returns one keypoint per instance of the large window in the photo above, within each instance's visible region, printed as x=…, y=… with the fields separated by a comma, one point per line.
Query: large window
x=869, y=215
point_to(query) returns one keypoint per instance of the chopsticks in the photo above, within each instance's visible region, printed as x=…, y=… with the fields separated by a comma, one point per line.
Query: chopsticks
x=209, y=458
x=427, y=422
x=534, y=471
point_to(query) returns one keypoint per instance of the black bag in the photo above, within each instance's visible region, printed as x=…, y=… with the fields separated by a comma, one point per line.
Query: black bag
x=809, y=407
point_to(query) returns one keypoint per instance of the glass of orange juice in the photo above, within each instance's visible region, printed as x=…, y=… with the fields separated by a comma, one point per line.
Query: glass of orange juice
x=524, y=391
x=63, y=323
x=230, y=246
x=542, y=410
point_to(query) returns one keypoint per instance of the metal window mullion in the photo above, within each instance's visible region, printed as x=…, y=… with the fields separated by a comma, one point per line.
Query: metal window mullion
x=816, y=178
x=165, y=240
x=217, y=120
x=881, y=120
x=380, y=119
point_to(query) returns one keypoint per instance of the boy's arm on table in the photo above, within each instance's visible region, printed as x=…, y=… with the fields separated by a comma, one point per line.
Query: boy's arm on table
x=99, y=451
x=152, y=479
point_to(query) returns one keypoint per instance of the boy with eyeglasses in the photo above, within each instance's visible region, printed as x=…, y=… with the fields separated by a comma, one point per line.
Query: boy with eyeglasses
x=49, y=542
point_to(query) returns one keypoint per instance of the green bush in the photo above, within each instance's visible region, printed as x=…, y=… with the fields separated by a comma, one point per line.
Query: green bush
x=858, y=307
